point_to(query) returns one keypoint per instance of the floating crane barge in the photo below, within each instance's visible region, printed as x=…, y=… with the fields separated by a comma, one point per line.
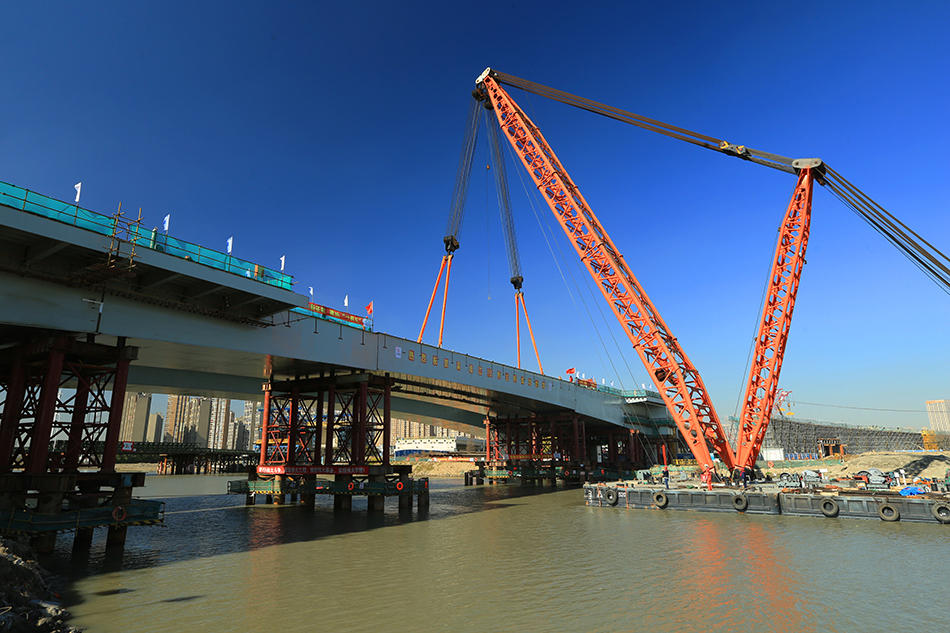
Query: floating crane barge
x=828, y=502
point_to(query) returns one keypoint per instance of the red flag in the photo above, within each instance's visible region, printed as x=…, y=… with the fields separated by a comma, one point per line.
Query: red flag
x=369, y=309
x=571, y=370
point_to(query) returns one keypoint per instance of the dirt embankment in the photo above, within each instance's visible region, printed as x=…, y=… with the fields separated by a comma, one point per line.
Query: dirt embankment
x=441, y=469
x=27, y=600
x=930, y=465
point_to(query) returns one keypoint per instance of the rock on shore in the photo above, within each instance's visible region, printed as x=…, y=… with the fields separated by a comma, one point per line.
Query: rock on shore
x=27, y=602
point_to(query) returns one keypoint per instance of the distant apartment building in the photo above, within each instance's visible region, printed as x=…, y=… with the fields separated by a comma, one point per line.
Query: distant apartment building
x=411, y=430
x=252, y=418
x=155, y=432
x=239, y=437
x=939, y=413
x=221, y=416
x=189, y=417
x=175, y=418
x=135, y=412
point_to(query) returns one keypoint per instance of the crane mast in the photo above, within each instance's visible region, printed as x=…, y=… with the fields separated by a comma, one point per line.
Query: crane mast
x=670, y=370
x=677, y=381
x=787, y=264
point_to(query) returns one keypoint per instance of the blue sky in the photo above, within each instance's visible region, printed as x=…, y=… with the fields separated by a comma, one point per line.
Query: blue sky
x=330, y=133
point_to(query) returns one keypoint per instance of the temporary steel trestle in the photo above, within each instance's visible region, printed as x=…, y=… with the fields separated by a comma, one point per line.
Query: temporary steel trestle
x=560, y=445
x=83, y=428
x=331, y=425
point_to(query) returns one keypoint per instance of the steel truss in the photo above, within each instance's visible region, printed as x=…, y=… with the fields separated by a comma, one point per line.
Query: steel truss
x=541, y=437
x=673, y=373
x=356, y=411
x=35, y=414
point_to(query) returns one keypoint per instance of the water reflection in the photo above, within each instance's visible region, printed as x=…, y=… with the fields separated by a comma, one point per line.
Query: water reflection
x=508, y=558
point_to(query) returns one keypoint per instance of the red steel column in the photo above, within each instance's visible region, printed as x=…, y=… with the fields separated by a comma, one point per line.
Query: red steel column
x=115, y=411
x=76, y=425
x=45, y=410
x=265, y=423
x=331, y=406
x=387, y=425
x=360, y=436
x=294, y=433
x=10, y=421
x=317, y=445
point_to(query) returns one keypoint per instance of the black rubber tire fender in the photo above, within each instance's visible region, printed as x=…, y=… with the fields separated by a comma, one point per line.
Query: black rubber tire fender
x=941, y=512
x=888, y=512
x=660, y=499
x=610, y=496
x=829, y=508
x=740, y=502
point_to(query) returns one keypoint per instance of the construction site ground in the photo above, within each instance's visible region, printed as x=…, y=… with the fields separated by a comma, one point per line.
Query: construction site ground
x=930, y=465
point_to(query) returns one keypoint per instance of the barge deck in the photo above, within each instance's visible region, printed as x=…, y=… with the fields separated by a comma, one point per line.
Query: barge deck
x=886, y=506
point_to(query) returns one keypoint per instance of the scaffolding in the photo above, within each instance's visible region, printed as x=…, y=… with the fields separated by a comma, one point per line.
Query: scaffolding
x=814, y=438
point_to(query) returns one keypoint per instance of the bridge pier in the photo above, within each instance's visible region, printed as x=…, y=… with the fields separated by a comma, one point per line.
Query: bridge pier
x=536, y=450
x=46, y=437
x=331, y=425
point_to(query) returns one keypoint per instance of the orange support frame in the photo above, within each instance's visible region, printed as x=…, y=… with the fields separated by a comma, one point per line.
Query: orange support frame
x=446, y=263
x=672, y=372
x=787, y=264
x=520, y=305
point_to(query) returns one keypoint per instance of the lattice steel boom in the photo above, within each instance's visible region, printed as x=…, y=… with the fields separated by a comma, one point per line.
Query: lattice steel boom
x=671, y=370
x=787, y=264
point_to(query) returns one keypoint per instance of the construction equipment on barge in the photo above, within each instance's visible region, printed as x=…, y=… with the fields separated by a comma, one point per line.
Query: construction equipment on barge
x=830, y=502
x=676, y=379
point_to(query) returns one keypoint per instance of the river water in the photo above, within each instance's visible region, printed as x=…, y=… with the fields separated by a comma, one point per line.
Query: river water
x=502, y=558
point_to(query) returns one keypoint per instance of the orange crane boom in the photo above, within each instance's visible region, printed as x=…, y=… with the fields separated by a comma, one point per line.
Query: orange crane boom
x=677, y=381
x=671, y=371
x=787, y=264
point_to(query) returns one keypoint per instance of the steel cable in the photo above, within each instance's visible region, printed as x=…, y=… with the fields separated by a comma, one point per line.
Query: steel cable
x=924, y=255
x=462, y=176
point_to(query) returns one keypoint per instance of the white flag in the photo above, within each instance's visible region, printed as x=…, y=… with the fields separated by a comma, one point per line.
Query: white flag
x=230, y=241
x=346, y=301
x=282, y=262
x=165, y=223
x=78, y=187
x=311, y=292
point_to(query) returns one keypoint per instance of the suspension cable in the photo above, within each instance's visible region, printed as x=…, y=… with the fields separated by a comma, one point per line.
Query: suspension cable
x=930, y=260
x=924, y=255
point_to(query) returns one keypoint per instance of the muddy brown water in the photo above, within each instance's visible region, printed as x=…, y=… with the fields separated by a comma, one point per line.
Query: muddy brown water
x=502, y=558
